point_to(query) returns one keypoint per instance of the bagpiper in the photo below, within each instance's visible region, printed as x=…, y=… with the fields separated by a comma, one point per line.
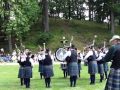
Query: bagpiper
x=100, y=65
x=28, y=69
x=79, y=58
x=71, y=55
x=47, y=68
x=92, y=64
x=41, y=57
x=21, y=69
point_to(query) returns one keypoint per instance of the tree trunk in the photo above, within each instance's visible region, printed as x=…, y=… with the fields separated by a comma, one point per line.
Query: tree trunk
x=89, y=12
x=112, y=23
x=119, y=22
x=69, y=9
x=10, y=43
x=45, y=15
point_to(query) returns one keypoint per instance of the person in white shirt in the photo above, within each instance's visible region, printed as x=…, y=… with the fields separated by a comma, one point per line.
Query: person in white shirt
x=92, y=64
x=79, y=58
x=41, y=57
x=100, y=65
x=71, y=55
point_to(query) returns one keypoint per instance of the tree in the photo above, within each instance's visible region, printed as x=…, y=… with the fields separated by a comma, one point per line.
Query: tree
x=18, y=16
x=45, y=15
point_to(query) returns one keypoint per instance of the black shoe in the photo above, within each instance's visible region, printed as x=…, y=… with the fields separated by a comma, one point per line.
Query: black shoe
x=100, y=81
x=27, y=86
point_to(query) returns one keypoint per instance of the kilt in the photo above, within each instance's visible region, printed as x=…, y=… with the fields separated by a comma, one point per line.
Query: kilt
x=113, y=81
x=21, y=72
x=73, y=69
x=40, y=68
x=106, y=67
x=28, y=72
x=100, y=69
x=92, y=67
x=48, y=71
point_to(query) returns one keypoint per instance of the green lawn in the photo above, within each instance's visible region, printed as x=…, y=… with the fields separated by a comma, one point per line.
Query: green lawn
x=9, y=80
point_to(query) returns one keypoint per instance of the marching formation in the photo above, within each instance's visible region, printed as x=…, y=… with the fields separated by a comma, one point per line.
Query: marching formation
x=96, y=59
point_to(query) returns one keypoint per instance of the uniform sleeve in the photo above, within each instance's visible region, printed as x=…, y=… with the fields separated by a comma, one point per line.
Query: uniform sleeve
x=99, y=57
x=88, y=54
x=81, y=56
x=32, y=62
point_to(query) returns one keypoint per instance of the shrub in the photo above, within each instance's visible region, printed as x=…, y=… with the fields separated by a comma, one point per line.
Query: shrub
x=44, y=37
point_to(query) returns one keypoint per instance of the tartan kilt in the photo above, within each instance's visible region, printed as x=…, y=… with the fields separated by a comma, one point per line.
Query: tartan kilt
x=40, y=68
x=73, y=69
x=100, y=69
x=21, y=72
x=113, y=81
x=106, y=67
x=48, y=71
x=92, y=67
x=28, y=72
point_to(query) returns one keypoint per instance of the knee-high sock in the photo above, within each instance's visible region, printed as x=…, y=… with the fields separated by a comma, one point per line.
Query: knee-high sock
x=92, y=78
x=49, y=80
x=21, y=81
x=101, y=77
x=27, y=82
x=41, y=75
x=74, y=79
x=106, y=75
x=71, y=81
x=46, y=82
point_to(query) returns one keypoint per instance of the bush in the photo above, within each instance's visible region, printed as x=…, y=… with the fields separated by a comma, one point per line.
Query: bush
x=44, y=37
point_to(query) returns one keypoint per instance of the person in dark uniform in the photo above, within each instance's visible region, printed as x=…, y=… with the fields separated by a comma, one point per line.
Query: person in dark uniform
x=100, y=65
x=64, y=68
x=47, y=68
x=106, y=69
x=113, y=81
x=72, y=65
x=21, y=70
x=28, y=69
x=92, y=64
x=105, y=65
x=41, y=57
x=80, y=58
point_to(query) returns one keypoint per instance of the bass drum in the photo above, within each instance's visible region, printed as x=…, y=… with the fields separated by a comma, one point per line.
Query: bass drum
x=60, y=53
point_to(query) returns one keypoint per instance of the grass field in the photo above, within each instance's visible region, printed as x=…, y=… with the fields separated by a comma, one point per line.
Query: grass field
x=9, y=80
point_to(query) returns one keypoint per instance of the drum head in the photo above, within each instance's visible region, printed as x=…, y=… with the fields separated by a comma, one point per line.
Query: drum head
x=59, y=54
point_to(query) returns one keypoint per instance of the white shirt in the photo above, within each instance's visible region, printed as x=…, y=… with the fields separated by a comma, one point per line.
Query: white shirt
x=41, y=57
x=32, y=62
x=89, y=54
x=23, y=57
x=101, y=55
x=80, y=56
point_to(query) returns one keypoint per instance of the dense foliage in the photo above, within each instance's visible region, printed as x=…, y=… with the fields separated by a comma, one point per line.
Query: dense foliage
x=18, y=15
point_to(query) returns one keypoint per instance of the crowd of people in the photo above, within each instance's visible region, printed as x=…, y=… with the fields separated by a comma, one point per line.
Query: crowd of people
x=71, y=66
